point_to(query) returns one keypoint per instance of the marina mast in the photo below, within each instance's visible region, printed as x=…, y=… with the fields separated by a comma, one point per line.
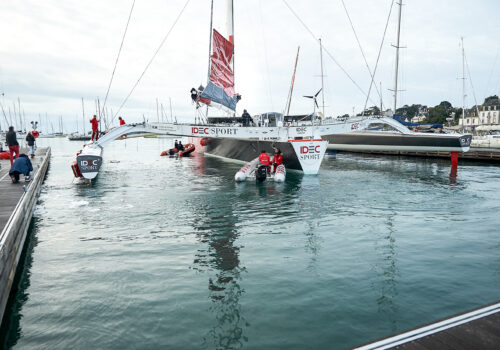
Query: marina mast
x=397, y=56
x=463, y=85
x=322, y=88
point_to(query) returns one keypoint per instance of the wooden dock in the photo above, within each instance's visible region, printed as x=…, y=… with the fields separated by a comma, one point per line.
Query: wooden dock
x=476, y=329
x=474, y=154
x=17, y=203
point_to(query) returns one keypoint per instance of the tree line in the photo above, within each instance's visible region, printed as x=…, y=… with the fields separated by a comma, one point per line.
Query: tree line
x=436, y=114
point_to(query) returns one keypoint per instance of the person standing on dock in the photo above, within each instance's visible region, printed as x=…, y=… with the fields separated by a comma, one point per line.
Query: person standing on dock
x=11, y=141
x=122, y=122
x=30, y=139
x=95, y=128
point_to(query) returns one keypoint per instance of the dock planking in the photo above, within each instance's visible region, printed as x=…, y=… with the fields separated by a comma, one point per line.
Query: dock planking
x=476, y=329
x=17, y=203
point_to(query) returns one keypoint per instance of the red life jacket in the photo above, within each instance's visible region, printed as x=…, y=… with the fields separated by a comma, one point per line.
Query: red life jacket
x=278, y=159
x=95, y=124
x=122, y=122
x=264, y=159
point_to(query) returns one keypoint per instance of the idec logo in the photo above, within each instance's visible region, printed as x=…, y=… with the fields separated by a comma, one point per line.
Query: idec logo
x=354, y=126
x=199, y=131
x=310, y=149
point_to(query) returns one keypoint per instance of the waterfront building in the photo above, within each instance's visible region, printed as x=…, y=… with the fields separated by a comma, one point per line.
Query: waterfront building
x=484, y=118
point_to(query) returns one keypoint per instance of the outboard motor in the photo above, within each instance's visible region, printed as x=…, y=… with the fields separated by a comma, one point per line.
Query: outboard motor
x=261, y=173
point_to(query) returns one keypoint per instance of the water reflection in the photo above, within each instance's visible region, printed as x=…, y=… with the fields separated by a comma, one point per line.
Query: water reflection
x=10, y=331
x=432, y=172
x=215, y=224
x=387, y=271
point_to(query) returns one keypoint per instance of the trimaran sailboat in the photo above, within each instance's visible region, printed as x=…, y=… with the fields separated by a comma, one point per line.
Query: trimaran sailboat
x=303, y=143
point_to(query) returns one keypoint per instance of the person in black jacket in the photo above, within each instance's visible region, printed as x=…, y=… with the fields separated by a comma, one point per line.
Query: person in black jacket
x=11, y=141
x=246, y=118
x=22, y=165
x=30, y=139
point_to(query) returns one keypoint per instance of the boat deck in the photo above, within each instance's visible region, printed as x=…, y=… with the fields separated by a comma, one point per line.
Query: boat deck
x=476, y=329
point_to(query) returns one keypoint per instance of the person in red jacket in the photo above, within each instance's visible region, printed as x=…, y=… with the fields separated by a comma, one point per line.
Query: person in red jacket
x=277, y=158
x=122, y=122
x=264, y=159
x=95, y=128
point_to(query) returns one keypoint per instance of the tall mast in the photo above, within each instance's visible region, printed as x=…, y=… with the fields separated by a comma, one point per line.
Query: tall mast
x=289, y=100
x=397, y=57
x=171, y=116
x=463, y=84
x=230, y=28
x=381, y=98
x=322, y=88
x=210, y=41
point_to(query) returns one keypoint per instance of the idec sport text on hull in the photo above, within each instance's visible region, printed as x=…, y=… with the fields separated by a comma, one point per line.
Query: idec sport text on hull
x=310, y=149
x=212, y=131
x=310, y=152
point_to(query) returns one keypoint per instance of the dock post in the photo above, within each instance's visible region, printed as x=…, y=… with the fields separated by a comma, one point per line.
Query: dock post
x=454, y=159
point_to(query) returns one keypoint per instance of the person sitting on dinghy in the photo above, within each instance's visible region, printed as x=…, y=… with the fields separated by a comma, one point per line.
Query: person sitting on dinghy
x=180, y=146
x=277, y=158
x=264, y=159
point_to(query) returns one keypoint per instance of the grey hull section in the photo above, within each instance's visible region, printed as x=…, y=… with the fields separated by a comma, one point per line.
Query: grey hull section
x=89, y=165
x=248, y=150
x=399, y=142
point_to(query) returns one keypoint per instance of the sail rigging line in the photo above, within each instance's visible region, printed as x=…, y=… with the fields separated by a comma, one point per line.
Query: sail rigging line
x=118, y=56
x=359, y=45
x=153, y=57
x=326, y=50
x=491, y=71
x=4, y=115
x=266, y=59
x=378, y=58
x=470, y=80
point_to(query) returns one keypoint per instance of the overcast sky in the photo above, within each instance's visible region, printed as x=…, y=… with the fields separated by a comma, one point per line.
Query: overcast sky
x=53, y=53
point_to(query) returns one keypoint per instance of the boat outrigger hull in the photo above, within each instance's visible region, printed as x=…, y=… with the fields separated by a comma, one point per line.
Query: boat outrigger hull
x=416, y=142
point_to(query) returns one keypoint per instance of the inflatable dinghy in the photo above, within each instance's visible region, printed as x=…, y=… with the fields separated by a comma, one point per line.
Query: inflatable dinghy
x=257, y=172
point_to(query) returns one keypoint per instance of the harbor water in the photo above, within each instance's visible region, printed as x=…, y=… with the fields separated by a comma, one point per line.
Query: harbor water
x=167, y=253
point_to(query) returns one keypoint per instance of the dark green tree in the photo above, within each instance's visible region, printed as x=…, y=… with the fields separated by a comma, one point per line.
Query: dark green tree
x=491, y=100
x=439, y=113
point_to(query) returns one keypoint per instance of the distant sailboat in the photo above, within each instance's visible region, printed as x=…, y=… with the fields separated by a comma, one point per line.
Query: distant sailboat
x=399, y=137
x=77, y=136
